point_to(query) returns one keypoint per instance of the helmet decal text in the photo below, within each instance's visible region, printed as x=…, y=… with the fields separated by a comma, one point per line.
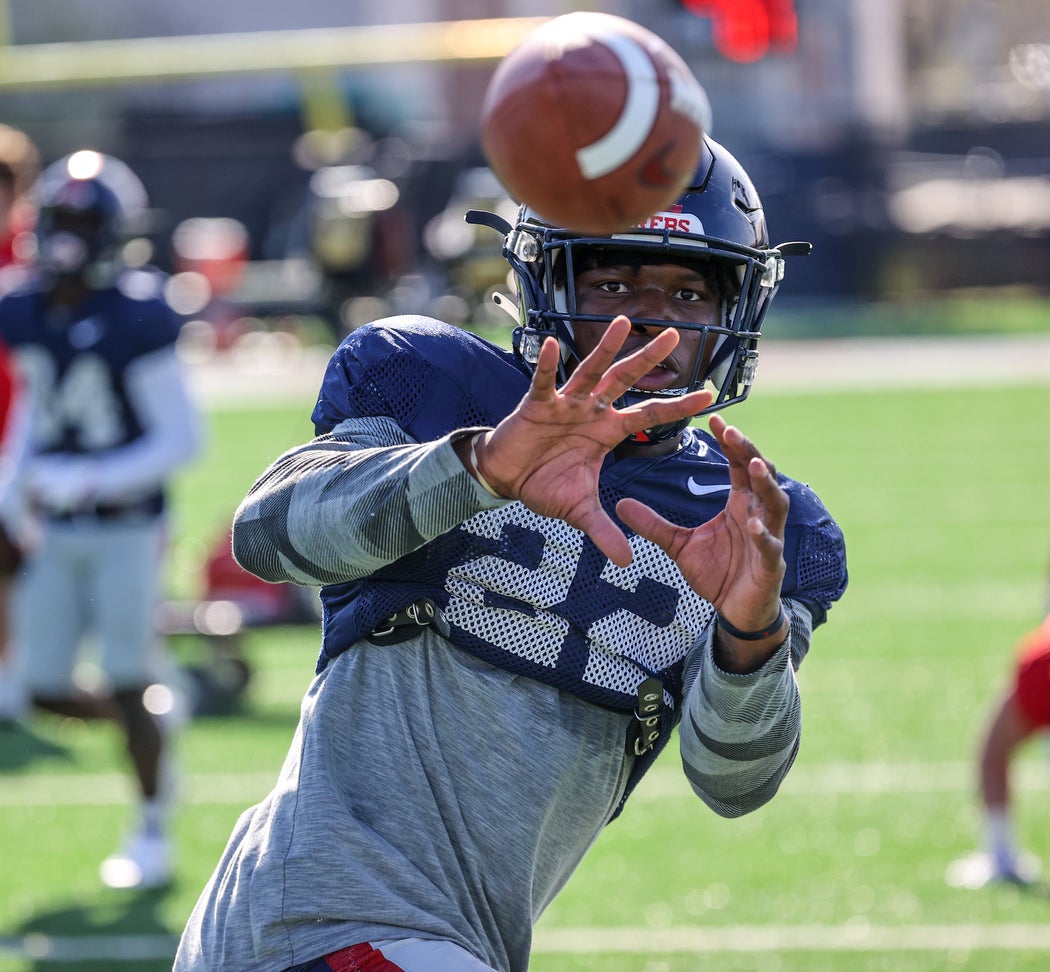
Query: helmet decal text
x=674, y=223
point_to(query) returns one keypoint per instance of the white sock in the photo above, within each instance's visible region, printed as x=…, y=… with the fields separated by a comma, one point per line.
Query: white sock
x=14, y=701
x=999, y=839
x=155, y=815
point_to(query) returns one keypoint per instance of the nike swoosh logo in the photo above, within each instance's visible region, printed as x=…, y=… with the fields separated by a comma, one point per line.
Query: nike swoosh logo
x=698, y=489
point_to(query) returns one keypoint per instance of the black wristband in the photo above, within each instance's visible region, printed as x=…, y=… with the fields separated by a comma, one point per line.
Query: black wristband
x=752, y=635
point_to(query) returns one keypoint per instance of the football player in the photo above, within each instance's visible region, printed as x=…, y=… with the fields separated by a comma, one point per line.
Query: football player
x=533, y=569
x=19, y=168
x=14, y=437
x=1020, y=713
x=111, y=419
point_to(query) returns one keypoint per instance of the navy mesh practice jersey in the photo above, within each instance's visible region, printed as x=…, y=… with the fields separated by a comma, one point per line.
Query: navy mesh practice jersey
x=76, y=362
x=526, y=592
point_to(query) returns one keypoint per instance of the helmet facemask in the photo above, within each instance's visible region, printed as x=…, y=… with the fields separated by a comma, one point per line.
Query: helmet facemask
x=72, y=243
x=545, y=259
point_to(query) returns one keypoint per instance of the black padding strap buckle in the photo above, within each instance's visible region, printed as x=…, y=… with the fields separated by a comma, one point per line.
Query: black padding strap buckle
x=645, y=730
x=407, y=622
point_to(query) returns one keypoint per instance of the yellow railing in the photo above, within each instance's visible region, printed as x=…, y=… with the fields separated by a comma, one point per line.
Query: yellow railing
x=299, y=52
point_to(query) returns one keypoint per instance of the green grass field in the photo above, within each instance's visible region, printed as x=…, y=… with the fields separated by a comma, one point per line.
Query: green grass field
x=942, y=496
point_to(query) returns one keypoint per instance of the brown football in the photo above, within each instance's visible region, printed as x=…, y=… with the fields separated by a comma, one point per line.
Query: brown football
x=594, y=122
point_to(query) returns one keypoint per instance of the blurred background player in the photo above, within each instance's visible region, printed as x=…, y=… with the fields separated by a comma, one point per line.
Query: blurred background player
x=111, y=420
x=14, y=428
x=1020, y=713
x=19, y=169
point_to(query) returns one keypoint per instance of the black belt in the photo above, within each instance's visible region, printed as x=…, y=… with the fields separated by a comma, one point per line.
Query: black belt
x=141, y=509
x=642, y=734
x=408, y=622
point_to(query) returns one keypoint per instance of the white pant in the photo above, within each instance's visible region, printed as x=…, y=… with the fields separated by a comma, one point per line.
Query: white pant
x=96, y=580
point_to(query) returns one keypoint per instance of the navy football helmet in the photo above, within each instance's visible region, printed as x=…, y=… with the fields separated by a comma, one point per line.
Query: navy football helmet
x=89, y=205
x=718, y=220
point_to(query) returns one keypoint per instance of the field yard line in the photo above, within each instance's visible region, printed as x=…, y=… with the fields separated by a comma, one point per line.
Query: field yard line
x=864, y=363
x=282, y=374
x=108, y=789
x=663, y=782
x=666, y=779
x=87, y=948
x=856, y=935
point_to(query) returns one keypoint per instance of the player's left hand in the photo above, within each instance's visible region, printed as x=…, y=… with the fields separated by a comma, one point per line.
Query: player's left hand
x=736, y=559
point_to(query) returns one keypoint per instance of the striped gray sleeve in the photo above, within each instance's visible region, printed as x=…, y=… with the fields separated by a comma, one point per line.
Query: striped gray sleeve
x=345, y=504
x=740, y=734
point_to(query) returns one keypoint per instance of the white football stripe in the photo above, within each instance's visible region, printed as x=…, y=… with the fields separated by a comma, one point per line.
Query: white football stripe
x=857, y=934
x=636, y=120
x=663, y=782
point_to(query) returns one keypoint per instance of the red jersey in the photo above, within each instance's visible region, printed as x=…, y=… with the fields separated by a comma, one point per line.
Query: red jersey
x=7, y=389
x=20, y=222
x=1032, y=677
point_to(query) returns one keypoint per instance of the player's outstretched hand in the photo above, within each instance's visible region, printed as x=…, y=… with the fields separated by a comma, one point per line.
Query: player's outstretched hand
x=548, y=452
x=736, y=559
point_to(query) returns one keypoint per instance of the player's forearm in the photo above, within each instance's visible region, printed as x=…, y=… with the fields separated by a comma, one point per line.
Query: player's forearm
x=129, y=474
x=172, y=432
x=740, y=733
x=143, y=466
x=343, y=506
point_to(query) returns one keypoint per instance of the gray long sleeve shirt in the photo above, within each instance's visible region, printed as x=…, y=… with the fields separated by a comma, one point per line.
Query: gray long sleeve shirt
x=428, y=793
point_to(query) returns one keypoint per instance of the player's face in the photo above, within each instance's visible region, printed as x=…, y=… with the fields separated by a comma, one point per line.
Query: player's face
x=672, y=292
x=71, y=241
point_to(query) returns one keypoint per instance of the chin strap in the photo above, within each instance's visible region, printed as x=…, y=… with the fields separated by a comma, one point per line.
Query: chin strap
x=658, y=433
x=655, y=434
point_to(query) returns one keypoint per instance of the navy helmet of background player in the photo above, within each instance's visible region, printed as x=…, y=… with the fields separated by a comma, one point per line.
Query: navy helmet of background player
x=89, y=205
x=719, y=220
